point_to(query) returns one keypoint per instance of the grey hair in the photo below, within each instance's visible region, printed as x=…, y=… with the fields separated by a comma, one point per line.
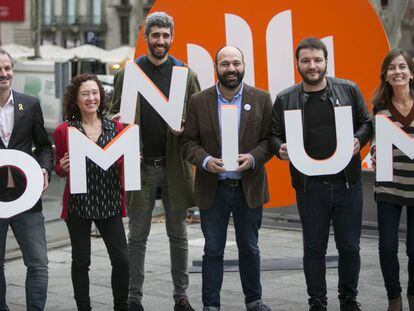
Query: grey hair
x=159, y=19
x=4, y=52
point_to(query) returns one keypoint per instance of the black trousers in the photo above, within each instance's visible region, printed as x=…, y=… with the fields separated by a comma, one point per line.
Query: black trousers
x=113, y=234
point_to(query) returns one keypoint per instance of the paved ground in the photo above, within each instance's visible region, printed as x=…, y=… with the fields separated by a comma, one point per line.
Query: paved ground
x=283, y=290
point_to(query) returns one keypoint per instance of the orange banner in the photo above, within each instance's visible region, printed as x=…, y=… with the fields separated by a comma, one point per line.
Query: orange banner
x=268, y=32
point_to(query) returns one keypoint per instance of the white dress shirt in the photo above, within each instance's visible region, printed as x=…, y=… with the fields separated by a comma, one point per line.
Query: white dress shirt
x=6, y=129
x=7, y=120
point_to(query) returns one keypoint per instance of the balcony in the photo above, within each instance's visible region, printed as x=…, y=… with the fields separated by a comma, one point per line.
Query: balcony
x=74, y=23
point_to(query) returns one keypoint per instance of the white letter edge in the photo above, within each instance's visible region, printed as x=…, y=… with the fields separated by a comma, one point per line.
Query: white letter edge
x=344, y=146
x=229, y=137
x=387, y=134
x=124, y=144
x=171, y=110
x=34, y=182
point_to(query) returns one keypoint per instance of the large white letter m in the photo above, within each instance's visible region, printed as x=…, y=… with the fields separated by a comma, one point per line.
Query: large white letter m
x=124, y=144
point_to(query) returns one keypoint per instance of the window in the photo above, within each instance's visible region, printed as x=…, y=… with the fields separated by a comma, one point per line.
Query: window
x=96, y=11
x=47, y=12
x=71, y=11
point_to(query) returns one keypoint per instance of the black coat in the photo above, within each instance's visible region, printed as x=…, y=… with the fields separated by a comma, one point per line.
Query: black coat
x=28, y=132
x=338, y=92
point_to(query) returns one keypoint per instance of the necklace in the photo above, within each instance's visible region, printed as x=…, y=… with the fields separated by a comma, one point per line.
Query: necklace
x=93, y=131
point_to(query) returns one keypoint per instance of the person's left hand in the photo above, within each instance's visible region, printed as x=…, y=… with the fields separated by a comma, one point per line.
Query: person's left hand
x=116, y=117
x=245, y=162
x=374, y=157
x=179, y=132
x=357, y=146
x=45, y=179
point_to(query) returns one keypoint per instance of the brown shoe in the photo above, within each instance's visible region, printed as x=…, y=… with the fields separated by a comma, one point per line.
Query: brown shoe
x=183, y=305
x=411, y=302
x=395, y=304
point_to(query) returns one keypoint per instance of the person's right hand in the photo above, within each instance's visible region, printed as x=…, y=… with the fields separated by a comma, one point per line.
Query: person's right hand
x=215, y=165
x=64, y=162
x=374, y=157
x=283, y=152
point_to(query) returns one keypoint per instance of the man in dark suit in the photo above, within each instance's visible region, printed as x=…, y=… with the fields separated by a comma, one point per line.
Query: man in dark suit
x=21, y=127
x=220, y=193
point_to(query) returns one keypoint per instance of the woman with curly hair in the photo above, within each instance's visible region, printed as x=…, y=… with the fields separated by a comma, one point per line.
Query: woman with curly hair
x=104, y=203
x=394, y=99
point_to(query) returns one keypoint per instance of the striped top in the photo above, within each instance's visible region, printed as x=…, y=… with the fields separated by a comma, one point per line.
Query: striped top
x=401, y=190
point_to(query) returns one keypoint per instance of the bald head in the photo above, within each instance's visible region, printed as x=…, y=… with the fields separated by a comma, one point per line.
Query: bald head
x=230, y=67
x=228, y=49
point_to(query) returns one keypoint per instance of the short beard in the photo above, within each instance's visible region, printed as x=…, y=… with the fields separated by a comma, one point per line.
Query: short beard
x=313, y=82
x=231, y=85
x=158, y=56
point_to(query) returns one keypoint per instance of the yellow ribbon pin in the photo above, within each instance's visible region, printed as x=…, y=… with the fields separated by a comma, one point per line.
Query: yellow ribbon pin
x=20, y=106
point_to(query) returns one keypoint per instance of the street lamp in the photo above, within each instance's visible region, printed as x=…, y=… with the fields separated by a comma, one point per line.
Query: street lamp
x=37, y=26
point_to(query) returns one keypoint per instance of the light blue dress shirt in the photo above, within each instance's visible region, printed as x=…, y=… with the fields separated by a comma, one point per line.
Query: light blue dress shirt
x=236, y=100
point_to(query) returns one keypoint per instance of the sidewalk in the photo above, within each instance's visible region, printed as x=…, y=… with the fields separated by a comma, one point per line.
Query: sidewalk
x=283, y=290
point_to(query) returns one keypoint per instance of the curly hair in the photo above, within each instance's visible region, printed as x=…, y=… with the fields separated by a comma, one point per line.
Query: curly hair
x=382, y=98
x=70, y=97
x=158, y=19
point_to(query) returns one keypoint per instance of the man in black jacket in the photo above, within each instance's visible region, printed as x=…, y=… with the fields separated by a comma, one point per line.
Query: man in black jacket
x=325, y=198
x=21, y=128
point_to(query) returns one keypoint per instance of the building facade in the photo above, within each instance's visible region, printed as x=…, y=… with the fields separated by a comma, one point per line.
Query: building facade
x=112, y=23
x=68, y=23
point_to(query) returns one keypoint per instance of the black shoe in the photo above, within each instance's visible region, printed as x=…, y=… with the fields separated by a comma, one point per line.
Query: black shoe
x=183, y=305
x=350, y=304
x=261, y=307
x=135, y=306
x=317, y=305
x=84, y=306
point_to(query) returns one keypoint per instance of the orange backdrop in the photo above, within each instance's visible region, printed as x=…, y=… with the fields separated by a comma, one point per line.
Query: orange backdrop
x=360, y=43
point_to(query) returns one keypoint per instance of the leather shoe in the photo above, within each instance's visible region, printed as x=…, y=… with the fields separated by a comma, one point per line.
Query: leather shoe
x=183, y=305
x=317, y=305
x=395, y=304
x=135, y=306
x=411, y=302
x=349, y=304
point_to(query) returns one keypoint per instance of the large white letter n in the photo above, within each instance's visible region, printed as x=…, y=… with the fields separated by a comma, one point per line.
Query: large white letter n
x=387, y=134
x=171, y=109
x=344, y=143
x=125, y=144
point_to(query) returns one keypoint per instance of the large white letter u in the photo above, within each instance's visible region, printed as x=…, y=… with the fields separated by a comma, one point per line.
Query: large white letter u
x=344, y=143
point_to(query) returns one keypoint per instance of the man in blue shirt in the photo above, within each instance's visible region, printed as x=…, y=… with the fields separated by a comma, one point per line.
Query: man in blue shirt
x=220, y=193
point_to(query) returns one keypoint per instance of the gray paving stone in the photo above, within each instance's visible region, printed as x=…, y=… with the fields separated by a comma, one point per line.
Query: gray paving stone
x=282, y=290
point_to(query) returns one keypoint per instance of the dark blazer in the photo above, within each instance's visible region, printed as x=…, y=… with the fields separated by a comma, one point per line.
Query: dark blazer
x=28, y=131
x=201, y=138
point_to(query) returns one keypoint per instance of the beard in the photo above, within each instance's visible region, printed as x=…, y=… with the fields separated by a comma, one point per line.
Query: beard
x=158, y=55
x=313, y=81
x=230, y=84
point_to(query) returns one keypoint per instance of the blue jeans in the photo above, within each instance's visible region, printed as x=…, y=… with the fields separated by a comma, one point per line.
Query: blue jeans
x=29, y=231
x=322, y=203
x=214, y=222
x=388, y=222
